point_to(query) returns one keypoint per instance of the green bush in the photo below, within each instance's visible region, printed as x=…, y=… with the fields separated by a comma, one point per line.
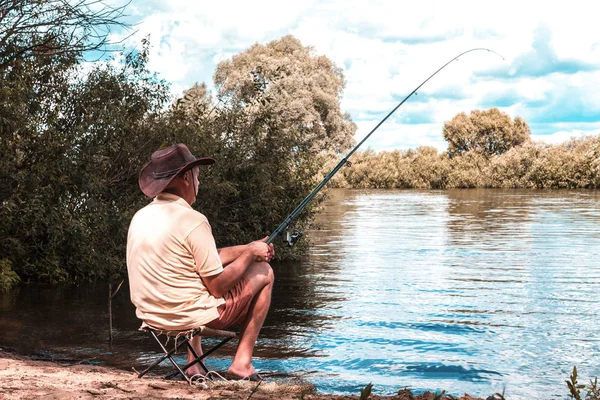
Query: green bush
x=592, y=389
x=8, y=277
x=75, y=143
x=488, y=133
x=573, y=164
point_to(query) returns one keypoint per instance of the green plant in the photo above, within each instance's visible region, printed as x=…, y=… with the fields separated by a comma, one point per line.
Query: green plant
x=592, y=390
x=574, y=386
x=439, y=395
x=366, y=392
x=8, y=277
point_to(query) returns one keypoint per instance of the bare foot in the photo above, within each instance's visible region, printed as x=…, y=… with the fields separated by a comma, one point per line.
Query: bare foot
x=194, y=370
x=242, y=371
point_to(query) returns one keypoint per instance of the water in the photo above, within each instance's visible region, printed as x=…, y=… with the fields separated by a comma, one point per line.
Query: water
x=469, y=291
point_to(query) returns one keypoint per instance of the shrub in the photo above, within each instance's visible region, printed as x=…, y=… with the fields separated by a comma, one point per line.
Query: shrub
x=8, y=277
x=489, y=132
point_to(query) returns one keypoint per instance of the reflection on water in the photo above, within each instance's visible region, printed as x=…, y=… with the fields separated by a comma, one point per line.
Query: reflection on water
x=465, y=290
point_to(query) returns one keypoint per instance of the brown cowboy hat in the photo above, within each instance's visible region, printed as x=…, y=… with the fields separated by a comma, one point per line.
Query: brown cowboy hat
x=165, y=164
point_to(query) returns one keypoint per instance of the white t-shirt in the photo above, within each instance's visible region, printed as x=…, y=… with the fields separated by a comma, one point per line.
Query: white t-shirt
x=169, y=247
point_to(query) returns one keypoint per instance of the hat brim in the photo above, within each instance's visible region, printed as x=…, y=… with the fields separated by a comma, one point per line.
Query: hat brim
x=152, y=186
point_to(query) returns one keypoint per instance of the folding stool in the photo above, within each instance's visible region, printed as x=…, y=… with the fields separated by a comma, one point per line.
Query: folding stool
x=181, y=338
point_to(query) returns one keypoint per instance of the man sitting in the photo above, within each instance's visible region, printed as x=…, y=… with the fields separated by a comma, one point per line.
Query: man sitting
x=179, y=280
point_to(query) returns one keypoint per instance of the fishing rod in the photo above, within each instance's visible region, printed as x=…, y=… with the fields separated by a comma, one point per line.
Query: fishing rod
x=291, y=238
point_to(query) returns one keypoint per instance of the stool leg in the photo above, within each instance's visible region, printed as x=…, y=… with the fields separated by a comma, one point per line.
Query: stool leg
x=154, y=364
x=197, y=360
x=167, y=354
x=209, y=352
x=200, y=358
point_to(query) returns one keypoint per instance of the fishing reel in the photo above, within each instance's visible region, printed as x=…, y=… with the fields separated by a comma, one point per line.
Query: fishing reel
x=291, y=238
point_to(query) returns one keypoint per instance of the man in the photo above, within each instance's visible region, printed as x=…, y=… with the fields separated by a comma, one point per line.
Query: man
x=179, y=280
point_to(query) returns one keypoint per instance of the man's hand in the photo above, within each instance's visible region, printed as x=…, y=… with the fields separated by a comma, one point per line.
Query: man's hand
x=262, y=250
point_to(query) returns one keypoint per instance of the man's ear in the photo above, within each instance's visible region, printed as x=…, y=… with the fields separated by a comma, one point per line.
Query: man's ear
x=189, y=177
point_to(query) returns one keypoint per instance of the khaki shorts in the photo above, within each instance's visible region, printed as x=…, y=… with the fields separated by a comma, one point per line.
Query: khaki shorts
x=237, y=303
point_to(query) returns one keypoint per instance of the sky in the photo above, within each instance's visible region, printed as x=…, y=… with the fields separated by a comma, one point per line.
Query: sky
x=549, y=72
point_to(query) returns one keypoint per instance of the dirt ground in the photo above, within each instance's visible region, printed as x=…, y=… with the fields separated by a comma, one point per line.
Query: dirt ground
x=24, y=378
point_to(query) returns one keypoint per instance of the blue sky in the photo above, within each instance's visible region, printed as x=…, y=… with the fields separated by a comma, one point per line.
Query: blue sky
x=550, y=74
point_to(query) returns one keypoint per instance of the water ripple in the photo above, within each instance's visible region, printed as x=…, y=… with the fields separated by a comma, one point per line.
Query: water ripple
x=464, y=290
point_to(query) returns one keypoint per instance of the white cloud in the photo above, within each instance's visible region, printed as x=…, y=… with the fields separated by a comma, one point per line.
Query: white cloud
x=386, y=48
x=560, y=136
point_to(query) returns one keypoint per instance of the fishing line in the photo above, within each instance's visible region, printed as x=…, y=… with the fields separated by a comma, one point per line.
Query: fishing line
x=291, y=238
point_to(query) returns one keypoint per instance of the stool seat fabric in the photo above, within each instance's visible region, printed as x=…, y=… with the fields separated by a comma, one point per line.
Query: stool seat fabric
x=201, y=330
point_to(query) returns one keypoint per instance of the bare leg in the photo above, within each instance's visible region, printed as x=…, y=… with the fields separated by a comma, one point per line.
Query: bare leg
x=260, y=276
x=196, y=343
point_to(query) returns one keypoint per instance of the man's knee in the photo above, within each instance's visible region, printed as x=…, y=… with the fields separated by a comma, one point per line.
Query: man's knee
x=270, y=274
x=262, y=272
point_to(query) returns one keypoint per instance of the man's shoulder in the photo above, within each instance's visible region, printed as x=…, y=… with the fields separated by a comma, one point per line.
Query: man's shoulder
x=166, y=217
x=189, y=220
x=139, y=214
x=195, y=215
x=170, y=209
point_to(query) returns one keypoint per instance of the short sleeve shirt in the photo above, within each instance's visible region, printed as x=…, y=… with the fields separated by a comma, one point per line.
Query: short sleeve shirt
x=170, y=246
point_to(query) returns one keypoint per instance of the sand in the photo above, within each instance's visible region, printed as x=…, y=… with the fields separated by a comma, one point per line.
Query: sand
x=22, y=377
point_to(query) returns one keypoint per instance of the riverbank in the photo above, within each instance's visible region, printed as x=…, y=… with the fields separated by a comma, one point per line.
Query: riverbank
x=22, y=377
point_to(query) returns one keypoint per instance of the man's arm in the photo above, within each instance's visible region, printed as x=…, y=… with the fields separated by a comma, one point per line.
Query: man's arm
x=228, y=254
x=220, y=284
x=208, y=259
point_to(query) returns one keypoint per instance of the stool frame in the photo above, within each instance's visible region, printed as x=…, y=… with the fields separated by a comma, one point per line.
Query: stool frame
x=183, y=338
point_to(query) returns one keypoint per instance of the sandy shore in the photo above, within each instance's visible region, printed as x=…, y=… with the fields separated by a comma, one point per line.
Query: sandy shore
x=24, y=378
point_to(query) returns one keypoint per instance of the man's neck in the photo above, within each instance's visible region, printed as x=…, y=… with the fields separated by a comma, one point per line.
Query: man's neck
x=180, y=193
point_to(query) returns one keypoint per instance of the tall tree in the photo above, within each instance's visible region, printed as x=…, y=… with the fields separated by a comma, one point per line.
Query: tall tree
x=67, y=140
x=489, y=132
x=71, y=175
x=275, y=111
x=297, y=91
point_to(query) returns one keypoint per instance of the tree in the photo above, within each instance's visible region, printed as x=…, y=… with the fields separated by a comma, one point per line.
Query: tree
x=276, y=110
x=73, y=146
x=490, y=132
x=41, y=45
x=39, y=28
x=71, y=170
x=196, y=101
x=296, y=92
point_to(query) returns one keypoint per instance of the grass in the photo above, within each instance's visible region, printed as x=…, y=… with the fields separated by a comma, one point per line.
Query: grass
x=592, y=390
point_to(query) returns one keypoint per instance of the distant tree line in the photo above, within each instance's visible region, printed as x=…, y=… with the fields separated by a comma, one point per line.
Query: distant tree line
x=486, y=149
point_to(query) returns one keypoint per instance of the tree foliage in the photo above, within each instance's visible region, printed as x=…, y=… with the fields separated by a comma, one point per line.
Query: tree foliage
x=32, y=29
x=573, y=164
x=74, y=143
x=489, y=132
x=70, y=170
x=275, y=113
x=291, y=95
x=71, y=142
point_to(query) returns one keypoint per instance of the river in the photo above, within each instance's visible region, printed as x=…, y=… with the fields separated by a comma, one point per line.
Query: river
x=476, y=291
